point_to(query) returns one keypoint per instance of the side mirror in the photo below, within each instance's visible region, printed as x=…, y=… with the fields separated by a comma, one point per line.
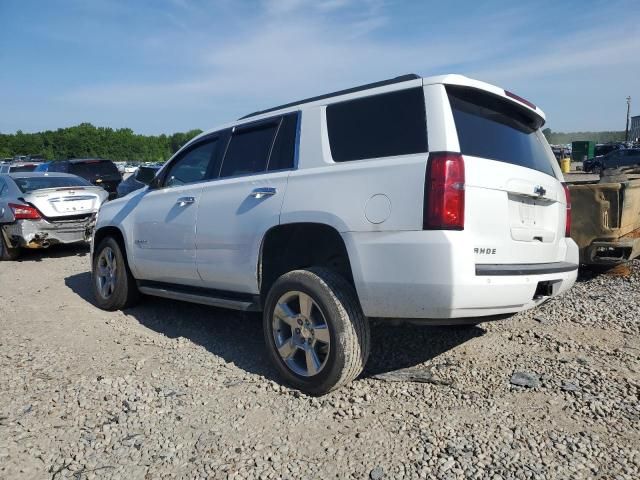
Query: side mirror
x=154, y=183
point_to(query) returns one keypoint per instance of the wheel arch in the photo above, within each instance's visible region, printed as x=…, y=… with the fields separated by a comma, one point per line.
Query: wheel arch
x=110, y=231
x=297, y=245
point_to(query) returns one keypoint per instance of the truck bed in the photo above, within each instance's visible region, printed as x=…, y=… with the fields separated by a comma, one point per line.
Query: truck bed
x=606, y=218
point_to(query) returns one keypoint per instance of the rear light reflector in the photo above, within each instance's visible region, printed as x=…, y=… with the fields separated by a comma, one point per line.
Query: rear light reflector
x=24, y=212
x=567, y=228
x=519, y=98
x=444, y=192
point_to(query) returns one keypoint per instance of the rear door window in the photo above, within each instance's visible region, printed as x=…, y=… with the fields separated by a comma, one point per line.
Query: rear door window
x=383, y=125
x=249, y=149
x=497, y=129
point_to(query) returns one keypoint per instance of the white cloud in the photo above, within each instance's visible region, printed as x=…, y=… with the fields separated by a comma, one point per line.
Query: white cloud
x=289, y=49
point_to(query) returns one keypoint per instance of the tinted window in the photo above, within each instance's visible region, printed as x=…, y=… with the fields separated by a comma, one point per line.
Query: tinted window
x=192, y=166
x=248, y=150
x=379, y=126
x=30, y=184
x=23, y=168
x=3, y=188
x=56, y=167
x=497, y=129
x=93, y=168
x=284, y=148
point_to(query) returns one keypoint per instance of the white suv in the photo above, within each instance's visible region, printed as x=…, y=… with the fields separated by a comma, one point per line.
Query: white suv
x=430, y=199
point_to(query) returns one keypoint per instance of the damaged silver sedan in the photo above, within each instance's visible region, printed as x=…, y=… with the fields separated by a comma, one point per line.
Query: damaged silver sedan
x=42, y=209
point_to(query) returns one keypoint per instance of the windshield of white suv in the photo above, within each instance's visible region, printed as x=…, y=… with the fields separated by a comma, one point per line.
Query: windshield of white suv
x=497, y=129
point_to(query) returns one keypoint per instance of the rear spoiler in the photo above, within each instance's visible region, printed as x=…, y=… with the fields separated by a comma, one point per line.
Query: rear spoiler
x=462, y=81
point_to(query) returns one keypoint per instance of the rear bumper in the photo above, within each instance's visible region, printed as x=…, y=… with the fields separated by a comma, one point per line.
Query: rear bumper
x=41, y=233
x=432, y=275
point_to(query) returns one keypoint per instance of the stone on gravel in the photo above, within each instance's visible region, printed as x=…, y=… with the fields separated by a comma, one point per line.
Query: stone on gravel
x=376, y=474
x=413, y=374
x=525, y=379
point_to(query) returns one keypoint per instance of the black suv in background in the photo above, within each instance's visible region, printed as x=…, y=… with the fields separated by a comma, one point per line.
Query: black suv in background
x=628, y=157
x=100, y=172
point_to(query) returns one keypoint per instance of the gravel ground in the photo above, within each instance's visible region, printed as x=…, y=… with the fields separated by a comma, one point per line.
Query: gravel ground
x=173, y=390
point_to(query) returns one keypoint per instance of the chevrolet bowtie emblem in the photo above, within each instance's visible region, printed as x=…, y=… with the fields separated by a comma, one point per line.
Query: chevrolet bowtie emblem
x=539, y=190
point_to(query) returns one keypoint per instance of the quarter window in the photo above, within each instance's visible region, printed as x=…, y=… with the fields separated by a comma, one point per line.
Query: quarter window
x=284, y=149
x=193, y=165
x=249, y=150
x=378, y=126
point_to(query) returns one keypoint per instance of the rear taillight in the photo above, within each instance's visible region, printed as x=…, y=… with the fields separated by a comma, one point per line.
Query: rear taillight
x=567, y=228
x=444, y=192
x=24, y=212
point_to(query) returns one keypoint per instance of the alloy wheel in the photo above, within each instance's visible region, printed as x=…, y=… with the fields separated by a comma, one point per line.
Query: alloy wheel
x=301, y=333
x=106, y=270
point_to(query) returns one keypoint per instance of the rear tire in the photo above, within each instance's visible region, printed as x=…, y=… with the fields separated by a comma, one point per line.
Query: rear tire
x=315, y=331
x=7, y=253
x=114, y=287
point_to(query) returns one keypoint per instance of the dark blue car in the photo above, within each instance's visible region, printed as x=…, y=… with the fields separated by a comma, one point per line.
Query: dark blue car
x=618, y=158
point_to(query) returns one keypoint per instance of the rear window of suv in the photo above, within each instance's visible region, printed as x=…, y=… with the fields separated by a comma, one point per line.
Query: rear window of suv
x=383, y=125
x=92, y=168
x=491, y=127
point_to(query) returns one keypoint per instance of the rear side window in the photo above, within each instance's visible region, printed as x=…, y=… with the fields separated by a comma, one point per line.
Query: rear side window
x=284, y=149
x=497, y=129
x=383, y=125
x=249, y=149
x=93, y=168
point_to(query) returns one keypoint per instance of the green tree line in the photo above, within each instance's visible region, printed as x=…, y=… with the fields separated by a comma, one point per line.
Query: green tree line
x=85, y=140
x=560, y=138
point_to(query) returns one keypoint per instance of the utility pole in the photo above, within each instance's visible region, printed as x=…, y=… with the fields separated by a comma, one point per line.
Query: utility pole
x=626, y=130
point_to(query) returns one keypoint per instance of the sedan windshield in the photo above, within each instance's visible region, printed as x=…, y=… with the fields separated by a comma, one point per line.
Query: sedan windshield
x=30, y=184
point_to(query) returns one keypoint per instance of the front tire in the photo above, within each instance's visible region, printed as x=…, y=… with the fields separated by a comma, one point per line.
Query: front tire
x=7, y=253
x=114, y=287
x=315, y=331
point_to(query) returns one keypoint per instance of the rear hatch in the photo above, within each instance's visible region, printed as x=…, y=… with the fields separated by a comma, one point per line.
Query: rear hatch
x=515, y=203
x=103, y=173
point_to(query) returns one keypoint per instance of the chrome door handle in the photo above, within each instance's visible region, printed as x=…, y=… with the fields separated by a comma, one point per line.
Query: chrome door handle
x=182, y=201
x=263, y=192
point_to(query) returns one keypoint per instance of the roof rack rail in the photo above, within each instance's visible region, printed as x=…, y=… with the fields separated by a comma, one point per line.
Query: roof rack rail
x=391, y=81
